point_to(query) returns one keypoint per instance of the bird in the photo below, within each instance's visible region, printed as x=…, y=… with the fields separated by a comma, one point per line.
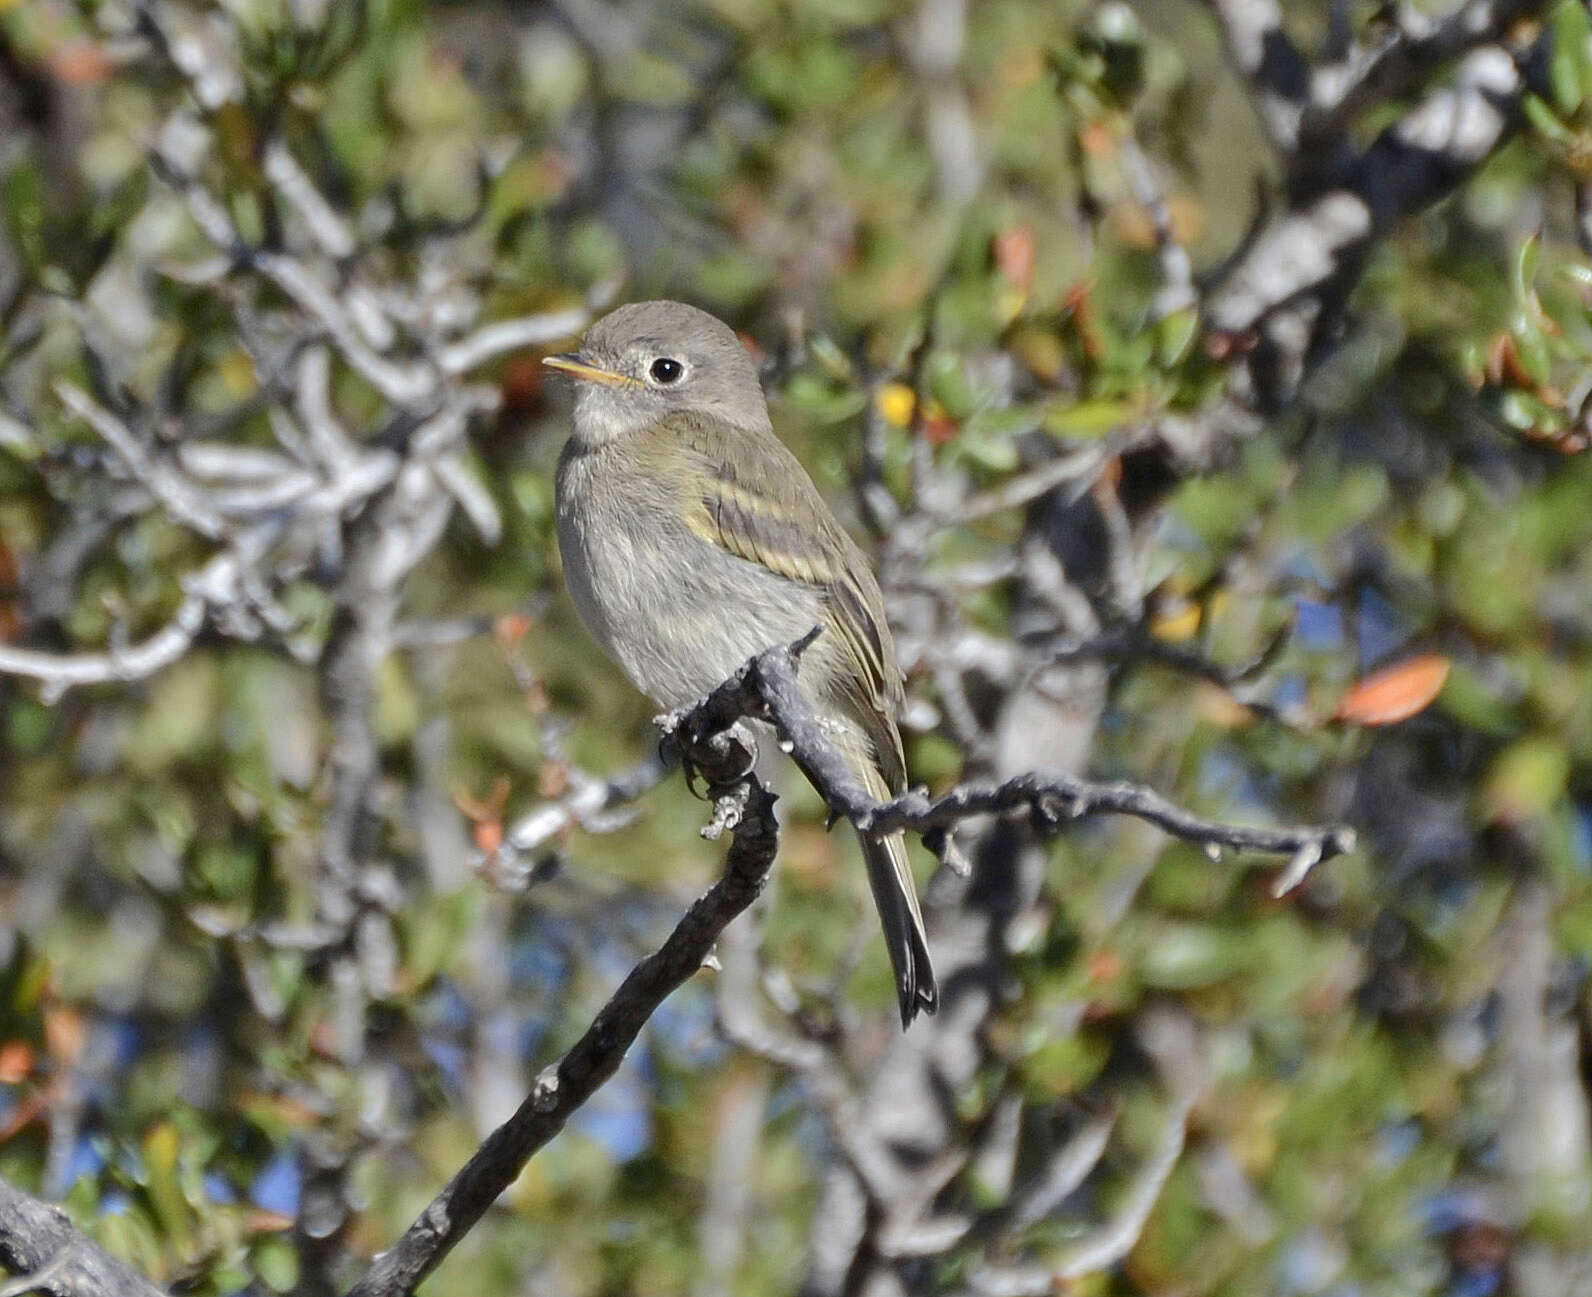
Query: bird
x=693, y=539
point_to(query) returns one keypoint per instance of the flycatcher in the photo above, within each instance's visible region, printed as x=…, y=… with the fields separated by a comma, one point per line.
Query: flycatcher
x=693, y=539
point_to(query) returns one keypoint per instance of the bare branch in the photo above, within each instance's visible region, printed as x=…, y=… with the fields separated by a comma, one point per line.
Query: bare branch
x=1276, y=70
x=39, y=1244
x=586, y=800
x=1129, y=644
x=766, y=688
x=1169, y=1038
x=1401, y=62
x=215, y=584
x=1079, y=466
x=824, y=1074
x=177, y=496
x=563, y=1086
x=1068, y=1169
x=1177, y=271
x=510, y=335
x=329, y=230
x=402, y=384
x=878, y=507
x=1295, y=272
x=471, y=496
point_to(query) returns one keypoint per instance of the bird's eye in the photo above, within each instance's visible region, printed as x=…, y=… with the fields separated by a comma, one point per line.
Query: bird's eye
x=666, y=370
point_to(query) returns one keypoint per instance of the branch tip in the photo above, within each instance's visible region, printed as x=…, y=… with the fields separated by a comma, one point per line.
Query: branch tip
x=804, y=643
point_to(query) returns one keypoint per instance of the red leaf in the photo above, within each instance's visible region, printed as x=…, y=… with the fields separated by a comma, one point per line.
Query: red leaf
x=938, y=429
x=511, y=628
x=16, y=1061
x=488, y=835
x=79, y=63
x=1394, y=693
x=1094, y=138
x=1014, y=255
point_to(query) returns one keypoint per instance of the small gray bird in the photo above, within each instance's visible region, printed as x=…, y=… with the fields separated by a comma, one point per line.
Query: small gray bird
x=693, y=539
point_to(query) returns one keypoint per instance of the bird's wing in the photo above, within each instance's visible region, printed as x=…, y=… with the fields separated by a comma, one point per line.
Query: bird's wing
x=790, y=530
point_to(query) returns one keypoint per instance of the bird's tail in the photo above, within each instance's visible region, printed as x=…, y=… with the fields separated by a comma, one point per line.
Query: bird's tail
x=895, y=895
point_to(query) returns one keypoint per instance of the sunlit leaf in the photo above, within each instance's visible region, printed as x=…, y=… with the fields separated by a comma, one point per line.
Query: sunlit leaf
x=1088, y=418
x=1394, y=693
x=1570, y=60
x=1014, y=256
x=1541, y=115
x=1177, y=627
x=1525, y=780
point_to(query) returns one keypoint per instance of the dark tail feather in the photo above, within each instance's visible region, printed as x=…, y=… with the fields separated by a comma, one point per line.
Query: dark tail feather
x=890, y=876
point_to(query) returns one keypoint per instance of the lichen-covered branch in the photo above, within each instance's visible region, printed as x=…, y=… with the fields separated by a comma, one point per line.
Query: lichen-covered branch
x=1272, y=303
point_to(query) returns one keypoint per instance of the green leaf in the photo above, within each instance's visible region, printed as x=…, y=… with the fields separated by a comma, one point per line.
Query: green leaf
x=1532, y=348
x=1519, y=410
x=1472, y=701
x=1524, y=266
x=1570, y=64
x=1540, y=115
x=1175, y=335
x=1190, y=955
x=949, y=386
x=823, y=402
x=1525, y=780
x=990, y=450
x=276, y=1264
x=1091, y=418
x=1578, y=273
x=162, y=1147
x=1064, y=1064
x=227, y=870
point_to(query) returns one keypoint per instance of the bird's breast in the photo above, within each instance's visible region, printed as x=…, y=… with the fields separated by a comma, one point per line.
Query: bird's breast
x=676, y=612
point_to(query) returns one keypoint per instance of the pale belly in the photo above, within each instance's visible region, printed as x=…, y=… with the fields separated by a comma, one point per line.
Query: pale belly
x=676, y=613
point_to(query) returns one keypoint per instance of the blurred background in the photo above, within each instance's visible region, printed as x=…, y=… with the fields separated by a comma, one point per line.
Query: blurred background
x=1210, y=382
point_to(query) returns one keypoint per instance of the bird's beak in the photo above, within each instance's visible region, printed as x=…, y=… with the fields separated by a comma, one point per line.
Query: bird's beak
x=577, y=368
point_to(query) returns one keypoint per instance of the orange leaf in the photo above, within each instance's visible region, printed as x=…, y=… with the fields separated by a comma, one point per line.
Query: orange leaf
x=1094, y=138
x=258, y=1220
x=552, y=780
x=938, y=429
x=1105, y=965
x=535, y=695
x=79, y=63
x=1394, y=693
x=511, y=628
x=1504, y=366
x=16, y=1061
x=63, y=1033
x=1014, y=255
